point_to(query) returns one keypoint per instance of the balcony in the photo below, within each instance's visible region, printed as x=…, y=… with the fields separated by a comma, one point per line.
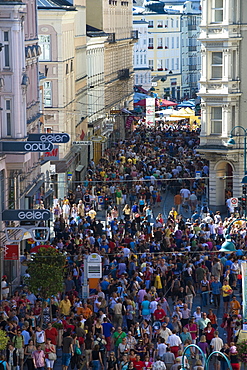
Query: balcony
x=134, y=35
x=193, y=67
x=159, y=47
x=112, y=37
x=150, y=47
x=160, y=69
x=124, y=74
x=192, y=27
x=160, y=26
x=192, y=48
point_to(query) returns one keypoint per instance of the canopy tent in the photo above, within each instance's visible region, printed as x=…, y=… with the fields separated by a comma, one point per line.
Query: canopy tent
x=187, y=113
x=186, y=104
x=166, y=112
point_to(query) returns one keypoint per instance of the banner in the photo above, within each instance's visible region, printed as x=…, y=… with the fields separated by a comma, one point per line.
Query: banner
x=11, y=252
x=244, y=289
x=150, y=111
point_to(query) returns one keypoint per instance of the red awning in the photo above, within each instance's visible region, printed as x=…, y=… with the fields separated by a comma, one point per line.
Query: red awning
x=37, y=247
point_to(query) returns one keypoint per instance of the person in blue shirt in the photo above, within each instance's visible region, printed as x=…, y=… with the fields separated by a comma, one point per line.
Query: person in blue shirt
x=107, y=331
x=216, y=291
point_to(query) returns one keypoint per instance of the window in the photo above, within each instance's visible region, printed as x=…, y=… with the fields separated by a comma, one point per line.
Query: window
x=167, y=64
x=144, y=59
x=160, y=24
x=217, y=66
x=177, y=64
x=144, y=42
x=150, y=24
x=8, y=117
x=137, y=58
x=160, y=43
x=151, y=64
x=141, y=59
x=172, y=22
x=137, y=79
x=6, y=49
x=67, y=68
x=172, y=42
x=47, y=94
x=167, y=43
x=150, y=43
x=177, y=23
x=177, y=42
x=160, y=64
x=45, y=44
x=48, y=130
x=172, y=63
x=216, y=120
x=217, y=11
x=71, y=66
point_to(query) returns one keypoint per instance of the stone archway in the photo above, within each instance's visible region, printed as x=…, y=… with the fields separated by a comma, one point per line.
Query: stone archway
x=224, y=181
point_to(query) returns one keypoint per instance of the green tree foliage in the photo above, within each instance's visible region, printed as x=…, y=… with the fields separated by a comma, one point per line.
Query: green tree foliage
x=46, y=272
x=3, y=340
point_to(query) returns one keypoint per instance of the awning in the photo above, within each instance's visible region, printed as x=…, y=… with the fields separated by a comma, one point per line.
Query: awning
x=35, y=188
x=48, y=193
x=79, y=168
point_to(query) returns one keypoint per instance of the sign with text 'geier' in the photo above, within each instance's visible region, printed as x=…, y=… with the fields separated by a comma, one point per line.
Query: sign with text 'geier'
x=50, y=138
x=26, y=146
x=26, y=215
x=11, y=252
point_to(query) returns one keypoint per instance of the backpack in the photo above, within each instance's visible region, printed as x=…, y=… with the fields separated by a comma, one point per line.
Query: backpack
x=2, y=366
x=101, y=345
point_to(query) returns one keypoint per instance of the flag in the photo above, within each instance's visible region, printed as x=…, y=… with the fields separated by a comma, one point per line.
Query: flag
x=82, y=134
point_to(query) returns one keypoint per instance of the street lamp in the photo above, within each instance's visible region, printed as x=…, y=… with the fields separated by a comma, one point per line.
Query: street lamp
x=231, y=142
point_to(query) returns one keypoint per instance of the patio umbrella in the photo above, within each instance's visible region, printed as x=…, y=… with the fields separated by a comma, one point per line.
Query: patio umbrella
x=142, y=103
x=167, y=103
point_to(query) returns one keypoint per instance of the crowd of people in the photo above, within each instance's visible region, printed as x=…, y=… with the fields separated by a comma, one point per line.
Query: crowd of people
x=165, y=282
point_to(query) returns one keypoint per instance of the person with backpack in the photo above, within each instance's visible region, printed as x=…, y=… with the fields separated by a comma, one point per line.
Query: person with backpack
x=3, y=364
x=18, y=342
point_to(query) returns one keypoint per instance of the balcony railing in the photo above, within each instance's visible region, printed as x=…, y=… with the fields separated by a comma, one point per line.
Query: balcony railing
x=124, y=74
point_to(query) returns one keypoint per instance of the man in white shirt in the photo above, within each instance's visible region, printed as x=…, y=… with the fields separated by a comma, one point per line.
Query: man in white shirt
x=216, y=345
x=159, y=365
x=174, y=342
x=161, y=348
x=185, y=193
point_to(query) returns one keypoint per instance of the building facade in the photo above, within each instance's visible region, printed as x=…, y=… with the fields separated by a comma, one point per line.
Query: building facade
x=223, y=94
x=164, y=42
x=62, y=38
x=21, y=180
x=191, y=50
x=115, y=19
x=140, y=59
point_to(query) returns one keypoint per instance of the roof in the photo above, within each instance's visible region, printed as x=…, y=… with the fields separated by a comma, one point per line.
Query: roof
x=141, y=21
x=55, y=4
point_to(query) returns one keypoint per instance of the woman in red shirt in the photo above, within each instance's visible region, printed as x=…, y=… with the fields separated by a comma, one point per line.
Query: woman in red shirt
x=209, y=332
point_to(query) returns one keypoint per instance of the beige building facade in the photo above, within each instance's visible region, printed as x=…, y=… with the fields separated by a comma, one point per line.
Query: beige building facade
x=62, y=38
x=115, y=19
x=223, y=92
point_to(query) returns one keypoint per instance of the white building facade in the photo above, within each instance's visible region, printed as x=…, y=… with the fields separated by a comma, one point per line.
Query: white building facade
x=223, y=92
x=140, y=57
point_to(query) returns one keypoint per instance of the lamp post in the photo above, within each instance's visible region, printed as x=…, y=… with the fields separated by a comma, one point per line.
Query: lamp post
x=228, y=246
x=206, y=361
x=231, y=142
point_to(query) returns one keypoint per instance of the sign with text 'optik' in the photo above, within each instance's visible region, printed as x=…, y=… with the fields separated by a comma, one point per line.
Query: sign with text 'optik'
x=25, y=146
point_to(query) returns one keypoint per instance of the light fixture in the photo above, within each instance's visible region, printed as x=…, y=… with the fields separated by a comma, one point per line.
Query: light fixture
x=231, y=142
x=228, y=246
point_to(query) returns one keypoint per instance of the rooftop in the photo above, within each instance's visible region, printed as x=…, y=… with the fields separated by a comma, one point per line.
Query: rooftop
x=55, y=4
